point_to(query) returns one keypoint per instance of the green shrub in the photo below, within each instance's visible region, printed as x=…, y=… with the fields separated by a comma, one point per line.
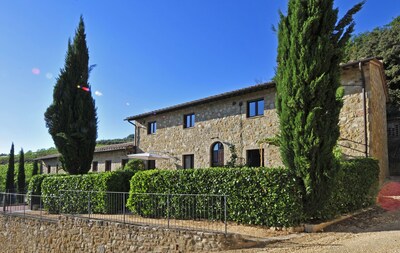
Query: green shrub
x=134, y=165
x=71, y=193
x=357, y=184
x=35, y=186
x=260, y=196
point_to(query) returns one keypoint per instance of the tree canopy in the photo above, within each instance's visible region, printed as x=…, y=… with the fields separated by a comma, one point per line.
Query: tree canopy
x=381, y=42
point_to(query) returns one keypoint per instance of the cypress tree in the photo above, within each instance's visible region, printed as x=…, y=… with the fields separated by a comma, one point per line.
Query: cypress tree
x=10, y=171
x=72, y=119
x=309, y=97
x=21, y=173
x=35, y=169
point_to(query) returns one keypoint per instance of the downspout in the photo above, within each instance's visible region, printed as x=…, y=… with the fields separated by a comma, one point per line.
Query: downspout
x=364, y=108
x=135, y=137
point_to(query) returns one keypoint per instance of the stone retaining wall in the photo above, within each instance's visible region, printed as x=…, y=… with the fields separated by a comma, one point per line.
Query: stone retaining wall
x=80, y=235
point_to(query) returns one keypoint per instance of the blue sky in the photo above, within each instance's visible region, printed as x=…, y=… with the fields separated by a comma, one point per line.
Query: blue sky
x=149, y=54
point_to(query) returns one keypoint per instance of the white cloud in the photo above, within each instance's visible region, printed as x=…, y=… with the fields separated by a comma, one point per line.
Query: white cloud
x=49, y=75
x=98, y=93
x=128, y=104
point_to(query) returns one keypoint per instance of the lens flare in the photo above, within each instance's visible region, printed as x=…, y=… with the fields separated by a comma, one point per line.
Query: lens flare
x=36, y=71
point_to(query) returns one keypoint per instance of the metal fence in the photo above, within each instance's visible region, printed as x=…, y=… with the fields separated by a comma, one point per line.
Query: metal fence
x=201, y=212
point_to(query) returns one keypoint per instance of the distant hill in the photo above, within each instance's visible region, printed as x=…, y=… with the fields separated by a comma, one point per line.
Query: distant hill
x=129, y=138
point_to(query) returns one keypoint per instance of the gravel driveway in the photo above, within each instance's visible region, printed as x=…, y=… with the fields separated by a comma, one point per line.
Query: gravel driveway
x=375, y=230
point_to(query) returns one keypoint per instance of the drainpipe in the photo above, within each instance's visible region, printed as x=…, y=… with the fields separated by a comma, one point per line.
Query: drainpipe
x=135, y=137
x=364, y=108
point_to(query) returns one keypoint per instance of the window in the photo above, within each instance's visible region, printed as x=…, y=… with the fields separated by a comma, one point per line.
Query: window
x=95, y=166
x=124, y=162
x=151, y=164
x=108, y=165
x=255, y=108
x=188, y=161
x=48, y=169
x=393, y=130
x=217, y=154
x=152, y=127
x=255, y=158
x=188, y=120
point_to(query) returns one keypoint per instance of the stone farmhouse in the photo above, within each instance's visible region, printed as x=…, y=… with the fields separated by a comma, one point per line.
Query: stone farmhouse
x=105, y=158
x=208, y=131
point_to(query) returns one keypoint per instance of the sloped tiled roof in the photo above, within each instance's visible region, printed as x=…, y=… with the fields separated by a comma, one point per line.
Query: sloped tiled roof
x=209, y=99
x=229, y=94
x=106, y=148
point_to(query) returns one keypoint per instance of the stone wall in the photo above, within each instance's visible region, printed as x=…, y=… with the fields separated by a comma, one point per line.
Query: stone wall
x=115, y=156
x=74, y=235
x=351, y=119
x=377, y=119
x=226, y=121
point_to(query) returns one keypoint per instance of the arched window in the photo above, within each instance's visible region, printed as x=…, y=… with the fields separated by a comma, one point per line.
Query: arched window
x=217, y=155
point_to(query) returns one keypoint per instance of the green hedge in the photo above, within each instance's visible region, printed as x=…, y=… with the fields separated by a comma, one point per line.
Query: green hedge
x=70, y=194
x=262, y=196
x=356, y=186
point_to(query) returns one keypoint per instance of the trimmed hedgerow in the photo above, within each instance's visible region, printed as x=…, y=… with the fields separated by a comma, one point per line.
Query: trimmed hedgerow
x=355, y=187
x=35, y=184
x=35, y=187
x=263, y=196
x=71, y=194
x=357, y=184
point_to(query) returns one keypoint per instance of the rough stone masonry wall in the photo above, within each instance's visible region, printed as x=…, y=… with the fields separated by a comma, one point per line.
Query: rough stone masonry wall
x=74, y=235
x=351, y=118
x=114, y=156
x=377, y=121
x=226, y=121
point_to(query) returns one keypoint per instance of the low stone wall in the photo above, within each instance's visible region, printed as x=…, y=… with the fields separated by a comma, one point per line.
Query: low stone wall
x=68, y=234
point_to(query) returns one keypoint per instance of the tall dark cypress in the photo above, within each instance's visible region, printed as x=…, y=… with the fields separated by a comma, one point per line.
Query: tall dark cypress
x=72, y=118
x=35, y=169
x=21, y=173
x=309, y=97
x=10, y=186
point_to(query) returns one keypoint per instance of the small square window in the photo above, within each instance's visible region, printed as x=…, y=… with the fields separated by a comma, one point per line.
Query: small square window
x=151, y=164
x=255, y=158
x=188, y=161
x=255, y=108
x=108, y=165
x=152, y=127
x=188, y=120
x=95, y=166
x=124, y=162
